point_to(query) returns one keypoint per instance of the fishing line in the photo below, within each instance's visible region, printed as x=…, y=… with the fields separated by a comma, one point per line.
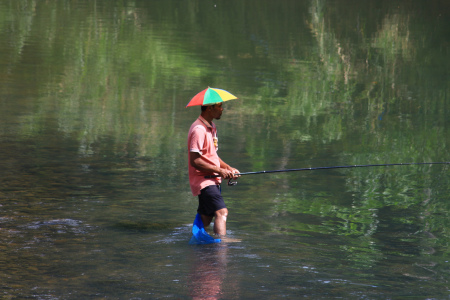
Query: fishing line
x=231, y=182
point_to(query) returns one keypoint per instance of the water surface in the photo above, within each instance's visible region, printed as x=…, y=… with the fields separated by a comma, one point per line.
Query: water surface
x=94, y=194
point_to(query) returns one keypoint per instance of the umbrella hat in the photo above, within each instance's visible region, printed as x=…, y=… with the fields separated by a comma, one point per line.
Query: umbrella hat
x=211, y=96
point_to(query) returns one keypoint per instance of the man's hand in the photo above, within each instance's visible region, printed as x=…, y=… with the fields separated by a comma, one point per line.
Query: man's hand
x=225, y=173
x=235, y=171
x=229, y=173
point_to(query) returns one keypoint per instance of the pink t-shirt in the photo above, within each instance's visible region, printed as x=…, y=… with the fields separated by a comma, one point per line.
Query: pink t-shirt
x=202, y=138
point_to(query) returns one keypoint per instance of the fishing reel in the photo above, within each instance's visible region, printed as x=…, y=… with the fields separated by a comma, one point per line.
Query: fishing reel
x=232, y=182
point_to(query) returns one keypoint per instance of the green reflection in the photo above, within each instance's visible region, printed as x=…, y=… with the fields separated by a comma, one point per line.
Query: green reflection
x=100, y=88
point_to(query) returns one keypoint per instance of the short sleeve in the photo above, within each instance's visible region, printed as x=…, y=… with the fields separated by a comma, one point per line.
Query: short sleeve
x=197, y=140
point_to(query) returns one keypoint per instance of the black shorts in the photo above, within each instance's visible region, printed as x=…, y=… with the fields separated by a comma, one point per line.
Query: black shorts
x=210, y=200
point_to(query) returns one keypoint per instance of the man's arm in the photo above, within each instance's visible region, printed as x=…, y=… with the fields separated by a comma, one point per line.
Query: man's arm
x=225, y=171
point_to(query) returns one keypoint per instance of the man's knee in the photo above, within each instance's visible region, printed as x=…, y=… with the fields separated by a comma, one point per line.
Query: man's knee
x=222, y=214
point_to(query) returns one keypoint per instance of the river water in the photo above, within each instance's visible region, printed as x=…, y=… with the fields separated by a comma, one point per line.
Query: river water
x=94, y=194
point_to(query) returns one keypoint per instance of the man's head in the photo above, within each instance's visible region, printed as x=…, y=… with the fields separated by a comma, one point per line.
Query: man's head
x=211, y=112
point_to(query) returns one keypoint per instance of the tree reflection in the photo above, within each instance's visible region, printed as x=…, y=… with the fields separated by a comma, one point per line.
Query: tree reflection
x=321, y=83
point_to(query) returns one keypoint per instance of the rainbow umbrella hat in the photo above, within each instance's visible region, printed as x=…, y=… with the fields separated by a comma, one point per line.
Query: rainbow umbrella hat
x=211, y=96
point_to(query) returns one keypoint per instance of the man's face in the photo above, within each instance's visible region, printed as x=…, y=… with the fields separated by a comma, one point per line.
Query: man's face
x=216, y=111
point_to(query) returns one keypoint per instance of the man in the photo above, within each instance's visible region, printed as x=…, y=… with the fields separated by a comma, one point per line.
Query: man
x=203, y=161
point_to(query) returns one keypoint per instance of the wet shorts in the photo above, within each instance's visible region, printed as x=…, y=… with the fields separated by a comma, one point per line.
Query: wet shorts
x=210, y=200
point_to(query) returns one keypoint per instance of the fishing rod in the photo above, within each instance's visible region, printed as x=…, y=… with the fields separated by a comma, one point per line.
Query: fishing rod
x=231, y=182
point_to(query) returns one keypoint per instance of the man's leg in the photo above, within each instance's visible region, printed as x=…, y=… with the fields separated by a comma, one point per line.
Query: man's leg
x=206, y=220
x=220, y=223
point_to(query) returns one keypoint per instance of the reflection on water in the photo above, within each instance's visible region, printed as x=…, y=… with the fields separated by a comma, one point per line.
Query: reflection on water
x=209, y=269
x=94, y=194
